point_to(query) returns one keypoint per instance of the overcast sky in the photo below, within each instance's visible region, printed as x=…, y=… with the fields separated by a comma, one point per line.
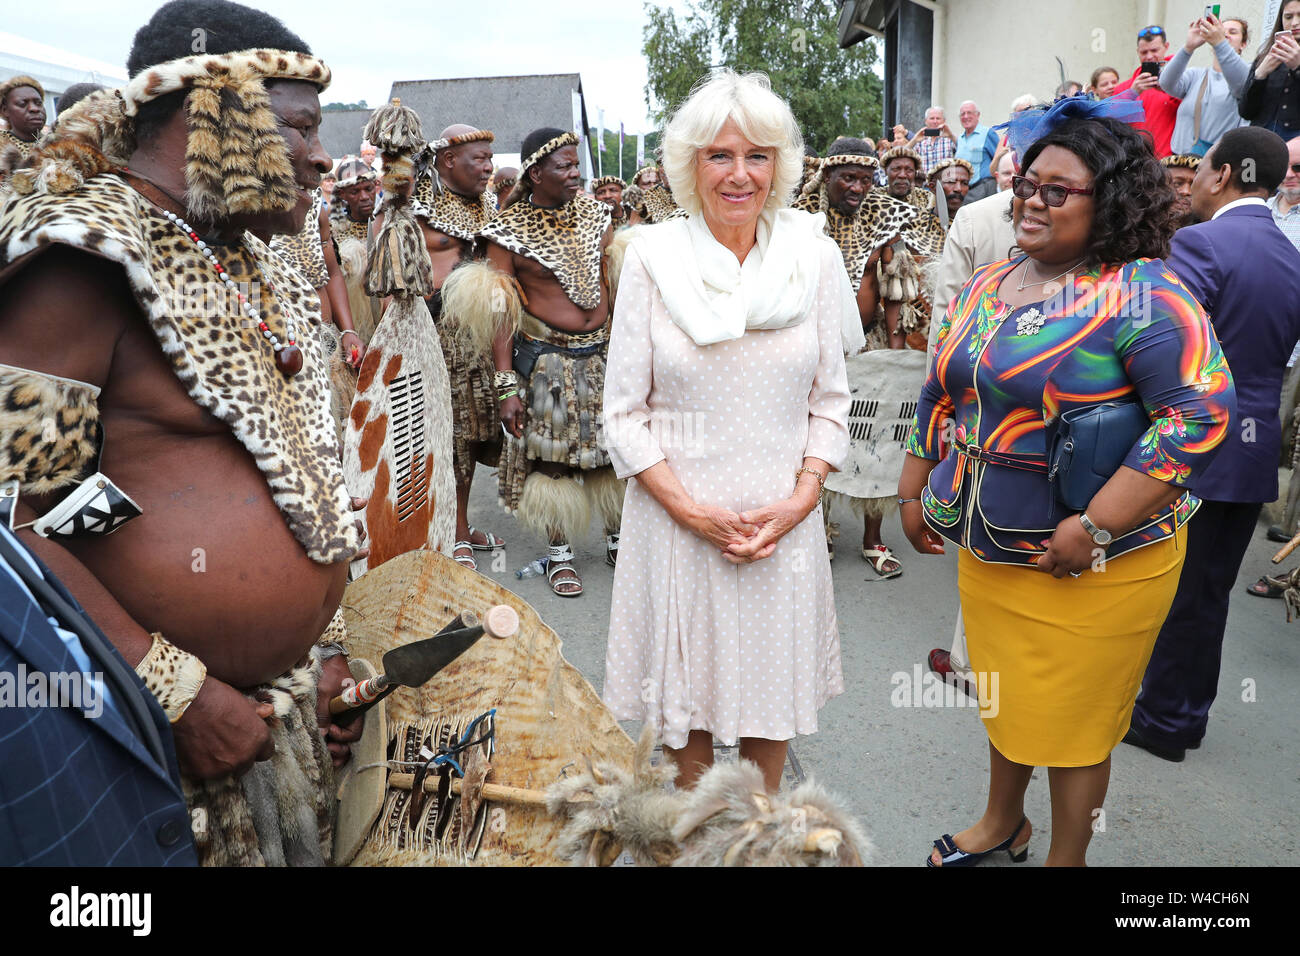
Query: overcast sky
x=368, y=44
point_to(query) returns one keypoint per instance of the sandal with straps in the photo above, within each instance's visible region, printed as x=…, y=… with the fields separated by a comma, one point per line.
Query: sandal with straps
x=879, y=557
x=559, y=558
x=1268, y=587
x=494, y=543
x=468, y=559
x=950, y=854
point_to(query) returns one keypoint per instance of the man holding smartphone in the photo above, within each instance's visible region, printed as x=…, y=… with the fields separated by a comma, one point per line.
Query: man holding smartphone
x=1161, y=108
x=935, y=142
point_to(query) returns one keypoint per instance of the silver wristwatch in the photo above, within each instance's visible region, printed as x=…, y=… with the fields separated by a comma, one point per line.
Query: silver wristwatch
x=1099, y=537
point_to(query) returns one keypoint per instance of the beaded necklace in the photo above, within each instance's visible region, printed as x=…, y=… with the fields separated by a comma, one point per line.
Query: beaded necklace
x=288, y=357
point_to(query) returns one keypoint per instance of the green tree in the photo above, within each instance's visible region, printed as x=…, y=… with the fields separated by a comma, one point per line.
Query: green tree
x=793, y=41
x=338, y=107
x=610, y=160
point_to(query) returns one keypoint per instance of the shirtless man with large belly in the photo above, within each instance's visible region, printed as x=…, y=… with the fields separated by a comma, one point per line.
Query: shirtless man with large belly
x=213, y=564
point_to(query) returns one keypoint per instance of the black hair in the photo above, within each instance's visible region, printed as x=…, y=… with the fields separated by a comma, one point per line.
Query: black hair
x=849, y=146
x=809, y=151
x=1258, y=158
x=535, y=141
x=1133, y=203
x=74, y=94
x=185, y=27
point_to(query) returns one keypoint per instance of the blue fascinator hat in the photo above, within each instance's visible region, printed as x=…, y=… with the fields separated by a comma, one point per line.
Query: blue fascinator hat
x=1028, y=126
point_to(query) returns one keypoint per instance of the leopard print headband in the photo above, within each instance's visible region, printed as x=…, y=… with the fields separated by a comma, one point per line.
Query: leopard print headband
x=849, y=159
x=1181, y=161
x=900, y=151
x=222, y=71
x=550, y=146
x=948, y=164
x=607, y=181
x=364, y=176
x=817, y=175
x=477, y=135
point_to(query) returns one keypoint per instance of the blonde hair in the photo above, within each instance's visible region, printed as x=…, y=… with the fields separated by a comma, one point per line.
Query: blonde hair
x=763, y=118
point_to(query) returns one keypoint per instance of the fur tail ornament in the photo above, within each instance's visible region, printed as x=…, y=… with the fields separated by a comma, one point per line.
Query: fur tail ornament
x=480, y=303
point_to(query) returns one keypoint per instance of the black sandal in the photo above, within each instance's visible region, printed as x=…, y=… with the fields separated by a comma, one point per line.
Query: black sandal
x=1267, y=587
x=950, y=854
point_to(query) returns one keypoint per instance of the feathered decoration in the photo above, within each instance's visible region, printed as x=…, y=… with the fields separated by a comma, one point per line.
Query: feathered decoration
x=1028, y=126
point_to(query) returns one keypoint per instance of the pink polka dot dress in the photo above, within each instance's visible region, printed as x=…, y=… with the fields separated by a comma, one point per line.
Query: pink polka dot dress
x=695, y=642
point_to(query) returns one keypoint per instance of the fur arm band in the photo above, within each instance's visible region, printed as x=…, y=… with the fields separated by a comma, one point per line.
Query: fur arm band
x=172, y=675
x=480, y=302
x=49, y=429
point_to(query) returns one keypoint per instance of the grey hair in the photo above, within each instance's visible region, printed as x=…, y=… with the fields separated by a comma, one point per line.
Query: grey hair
x=763, y=118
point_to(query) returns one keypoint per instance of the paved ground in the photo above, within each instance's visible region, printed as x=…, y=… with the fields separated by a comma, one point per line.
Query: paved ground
x=911, y=774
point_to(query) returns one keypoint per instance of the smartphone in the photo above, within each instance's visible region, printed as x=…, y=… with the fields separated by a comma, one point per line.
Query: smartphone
x=1151, y=69
x=1212, y=11
x=930, y=132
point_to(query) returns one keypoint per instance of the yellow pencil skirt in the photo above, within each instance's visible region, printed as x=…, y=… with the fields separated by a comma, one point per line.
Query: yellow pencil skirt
x=1062, y=659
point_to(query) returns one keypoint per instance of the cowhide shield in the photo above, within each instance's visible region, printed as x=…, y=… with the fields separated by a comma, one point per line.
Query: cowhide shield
x=397, y=444
x=885, y=385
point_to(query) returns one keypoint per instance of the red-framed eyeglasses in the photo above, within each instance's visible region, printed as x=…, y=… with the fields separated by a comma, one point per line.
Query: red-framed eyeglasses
x=1054, y=194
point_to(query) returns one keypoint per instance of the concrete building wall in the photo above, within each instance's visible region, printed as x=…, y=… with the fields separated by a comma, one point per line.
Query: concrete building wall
x=996, y=50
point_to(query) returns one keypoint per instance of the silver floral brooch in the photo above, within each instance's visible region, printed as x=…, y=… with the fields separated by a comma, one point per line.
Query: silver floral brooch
x=1030, y=323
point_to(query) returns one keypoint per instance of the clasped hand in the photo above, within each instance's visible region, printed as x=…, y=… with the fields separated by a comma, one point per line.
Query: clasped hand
x=751, y=535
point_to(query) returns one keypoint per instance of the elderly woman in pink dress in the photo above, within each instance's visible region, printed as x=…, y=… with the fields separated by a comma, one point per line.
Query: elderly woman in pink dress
x=726, y=405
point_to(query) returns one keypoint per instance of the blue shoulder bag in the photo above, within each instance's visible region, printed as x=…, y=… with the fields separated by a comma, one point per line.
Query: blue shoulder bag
x=1088, y=447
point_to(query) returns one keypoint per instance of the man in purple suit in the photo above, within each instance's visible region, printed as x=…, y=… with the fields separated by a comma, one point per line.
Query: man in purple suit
x=1246, y=274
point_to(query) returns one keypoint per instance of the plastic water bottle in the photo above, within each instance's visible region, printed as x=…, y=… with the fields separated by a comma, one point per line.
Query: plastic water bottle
x=533, y=568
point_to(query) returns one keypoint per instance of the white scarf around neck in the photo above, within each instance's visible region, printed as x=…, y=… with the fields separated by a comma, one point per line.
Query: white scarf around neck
x=713, y=298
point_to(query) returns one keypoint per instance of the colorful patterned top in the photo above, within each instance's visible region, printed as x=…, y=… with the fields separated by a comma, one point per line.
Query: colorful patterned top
x=1129, y=332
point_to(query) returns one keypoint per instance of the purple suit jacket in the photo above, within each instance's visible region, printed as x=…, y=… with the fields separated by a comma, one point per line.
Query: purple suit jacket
x=1246, y=275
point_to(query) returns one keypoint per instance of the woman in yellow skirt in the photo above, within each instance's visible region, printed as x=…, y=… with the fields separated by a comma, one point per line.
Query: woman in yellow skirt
x=1062, y=607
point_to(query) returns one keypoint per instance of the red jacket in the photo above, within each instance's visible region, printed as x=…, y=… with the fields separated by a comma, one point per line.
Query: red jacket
x=1161, y=110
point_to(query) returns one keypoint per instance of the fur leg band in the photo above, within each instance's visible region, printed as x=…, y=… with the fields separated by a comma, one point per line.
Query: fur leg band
x=554, y=507
x=605, y=492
